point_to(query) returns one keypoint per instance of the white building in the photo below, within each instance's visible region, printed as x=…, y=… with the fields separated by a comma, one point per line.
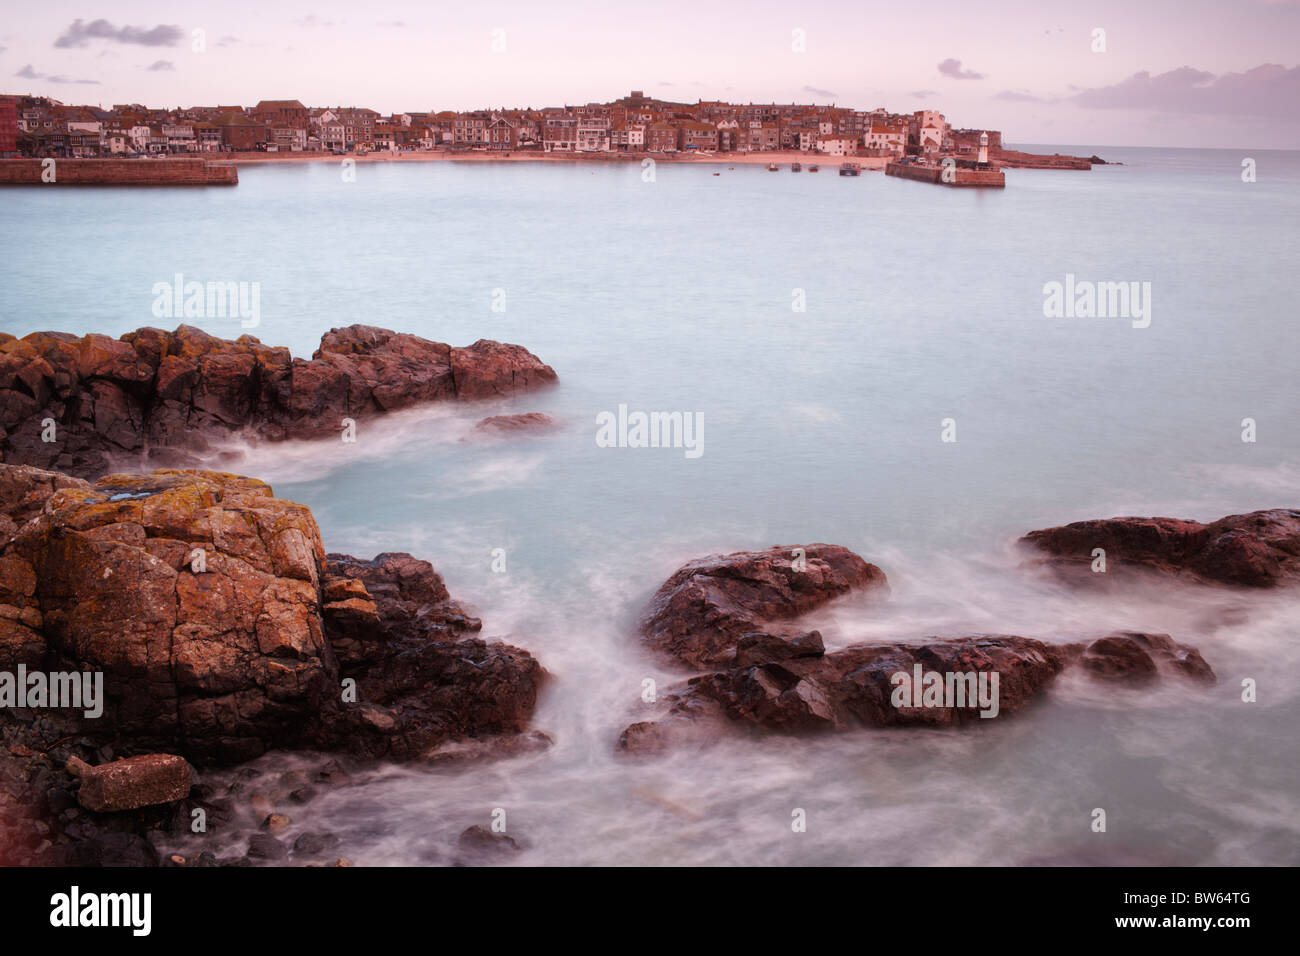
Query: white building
x=837, y=145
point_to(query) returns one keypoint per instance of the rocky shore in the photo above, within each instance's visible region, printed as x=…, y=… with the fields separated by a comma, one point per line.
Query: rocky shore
x=736, y=617
x=222, y=630
x=93, y=404
x=1256, y=550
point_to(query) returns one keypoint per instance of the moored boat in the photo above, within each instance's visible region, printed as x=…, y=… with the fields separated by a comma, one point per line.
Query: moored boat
x=796, y=167
x=850, y=169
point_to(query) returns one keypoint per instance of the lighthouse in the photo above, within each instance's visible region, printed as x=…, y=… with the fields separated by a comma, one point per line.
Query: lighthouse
x=984, y=148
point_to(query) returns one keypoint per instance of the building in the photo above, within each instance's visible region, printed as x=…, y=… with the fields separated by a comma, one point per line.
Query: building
x=699, y=136
x=281, y=113
x=8, y=127
x=661, y=138
x=883, y=135
x=289, y=139
x=503, y=133
x=238, y=132
x=627, y=136
x=837, y=145
x=560, y=134
x=471, y=129
x=592, y=134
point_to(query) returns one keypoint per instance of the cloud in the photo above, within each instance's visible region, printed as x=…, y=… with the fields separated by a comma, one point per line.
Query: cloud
x=952, y=68
x=28, y=73
x=80, y=33
x=1266, y=90
x=1021, y=96
x=160, y=65
x=816, y=92
x=311, y=20
x=227, y=41
x=923, y=94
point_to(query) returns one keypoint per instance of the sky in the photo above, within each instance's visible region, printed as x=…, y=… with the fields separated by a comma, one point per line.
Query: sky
x=1193, y=73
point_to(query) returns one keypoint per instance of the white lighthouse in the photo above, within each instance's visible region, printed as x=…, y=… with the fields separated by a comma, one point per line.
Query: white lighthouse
x=984, y=148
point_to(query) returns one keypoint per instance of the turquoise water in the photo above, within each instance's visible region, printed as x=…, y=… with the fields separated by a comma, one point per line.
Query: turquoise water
x=922, y=304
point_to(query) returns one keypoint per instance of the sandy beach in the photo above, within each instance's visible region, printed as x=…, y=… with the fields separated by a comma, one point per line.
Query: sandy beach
x=782, y=159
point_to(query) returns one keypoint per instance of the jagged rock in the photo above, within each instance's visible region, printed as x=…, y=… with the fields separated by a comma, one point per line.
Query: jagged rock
x=759, y=648
x=173, y=393
x=422, y=676
x=208, y=663
x=847, y=688
x=222, y=631
x=1259, y=549
x=702, y=612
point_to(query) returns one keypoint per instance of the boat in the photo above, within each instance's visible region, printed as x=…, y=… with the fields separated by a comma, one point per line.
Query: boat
x=772, y=167
x=850, y=169
x=813, y=168
x=796, y=167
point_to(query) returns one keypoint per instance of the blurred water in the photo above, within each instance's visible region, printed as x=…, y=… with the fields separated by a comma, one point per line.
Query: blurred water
x=922, y=304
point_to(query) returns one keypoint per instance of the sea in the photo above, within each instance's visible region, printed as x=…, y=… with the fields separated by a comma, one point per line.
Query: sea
x=874, y=363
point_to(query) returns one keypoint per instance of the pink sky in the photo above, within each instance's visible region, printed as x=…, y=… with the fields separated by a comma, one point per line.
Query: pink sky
x=1185, y=73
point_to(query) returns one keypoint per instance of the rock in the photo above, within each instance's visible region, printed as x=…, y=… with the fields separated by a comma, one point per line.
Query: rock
x=275, y=822
x=105, y=850
x=222, y=630
x=701, y=613
x=423, y=679
x=134, y=782
x=1119, y=658
x=1260, y=549
x=759, y=648
x=1136, y=657
x=505, y=424
x=173, y=393
x=853, y=687
x=480, y=840
x=492, y=748
x=209, y=664
x=312, y=844
x=263, y=846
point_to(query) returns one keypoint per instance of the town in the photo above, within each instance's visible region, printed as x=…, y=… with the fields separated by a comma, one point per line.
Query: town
x=38, y=126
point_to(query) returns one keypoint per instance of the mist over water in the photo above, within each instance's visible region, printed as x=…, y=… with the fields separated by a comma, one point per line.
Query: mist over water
x=923, y=304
